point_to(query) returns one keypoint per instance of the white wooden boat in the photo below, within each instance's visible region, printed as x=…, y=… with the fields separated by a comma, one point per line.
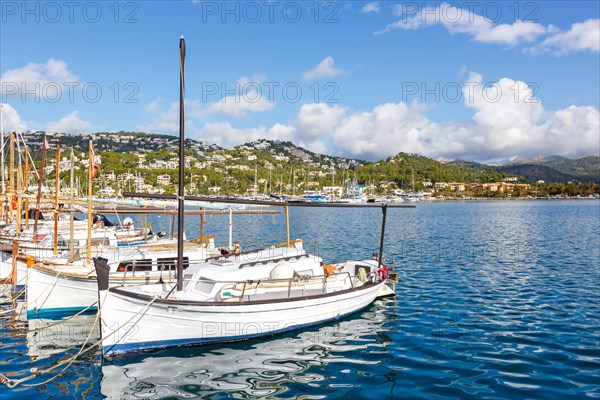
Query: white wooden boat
x=231, y=300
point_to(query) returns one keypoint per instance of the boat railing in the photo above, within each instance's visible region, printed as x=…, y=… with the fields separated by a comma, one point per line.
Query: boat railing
x=272, y=260
x=289, y=283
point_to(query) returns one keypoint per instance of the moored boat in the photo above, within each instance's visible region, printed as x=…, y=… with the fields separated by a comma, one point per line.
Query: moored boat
x=231, y=300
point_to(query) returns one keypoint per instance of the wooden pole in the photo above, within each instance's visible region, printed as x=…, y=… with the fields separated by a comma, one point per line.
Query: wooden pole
x=12, y=172
x=56, y=189
x=89, y=205
x=18, y=197
x=39, y=193
x=181, y=191
x=72, y=210
x=287, y=224
x=15, y=254
x=26, y=181
x=201, y=224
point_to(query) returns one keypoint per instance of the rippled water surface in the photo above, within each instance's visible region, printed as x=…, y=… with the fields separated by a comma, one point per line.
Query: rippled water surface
x=495, y=300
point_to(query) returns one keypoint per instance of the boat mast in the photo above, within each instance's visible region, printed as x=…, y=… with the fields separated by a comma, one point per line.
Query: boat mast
x=380, y=258
x=181, y=194
x=11, y=185
x=89, y=201
x=72, y=210
x=56, y=190
x=2, y=145
x=39, y=193
x=26, y=186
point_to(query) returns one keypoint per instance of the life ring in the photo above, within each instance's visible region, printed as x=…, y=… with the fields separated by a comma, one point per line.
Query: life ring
x=14, y=201
x=383, y=272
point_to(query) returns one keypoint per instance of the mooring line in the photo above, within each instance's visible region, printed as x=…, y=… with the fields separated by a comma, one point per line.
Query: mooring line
x=15, y=297
x=63, y=320
x=11, y=383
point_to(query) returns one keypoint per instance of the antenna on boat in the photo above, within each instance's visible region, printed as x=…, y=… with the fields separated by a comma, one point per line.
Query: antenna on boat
x=380, y=258
x=181, y=193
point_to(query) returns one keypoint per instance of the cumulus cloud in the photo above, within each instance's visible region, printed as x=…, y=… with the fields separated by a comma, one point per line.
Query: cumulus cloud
x=167, y=122
x=372, y=7
x=240, y=105
x=463, y=21
x=324, y=69
x=508, y=120
x=582, y=36
x=47, y=81
x=250, y=96
x=223, y=134
x=11, y=119
x=70, y=123
x=318, y=119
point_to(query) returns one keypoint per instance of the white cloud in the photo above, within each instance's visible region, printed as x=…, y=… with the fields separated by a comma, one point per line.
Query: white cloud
x=507, y=121
x=325, y=69
x=167, y=122
x=318, y=119
x=70, y=123
x=240, y=105
x=11, y=119
x=250, y=96
x=461, y=21
x=223, y=134
x=372, y=7
x=583, y=36
x=51, y=81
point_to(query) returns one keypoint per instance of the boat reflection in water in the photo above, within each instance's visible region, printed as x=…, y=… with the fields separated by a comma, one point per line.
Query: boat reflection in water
x=47, y=337
x=256, y=368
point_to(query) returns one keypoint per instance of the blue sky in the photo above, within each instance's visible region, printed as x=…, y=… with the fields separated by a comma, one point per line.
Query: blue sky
x=476, y=80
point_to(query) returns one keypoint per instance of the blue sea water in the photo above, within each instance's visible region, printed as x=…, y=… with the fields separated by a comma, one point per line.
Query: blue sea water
x=496, y=300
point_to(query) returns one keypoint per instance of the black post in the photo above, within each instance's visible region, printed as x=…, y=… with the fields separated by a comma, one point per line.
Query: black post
x=181, y=194
x=384, y=210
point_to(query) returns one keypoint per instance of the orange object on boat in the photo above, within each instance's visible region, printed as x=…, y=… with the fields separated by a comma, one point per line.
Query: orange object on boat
x=329, y=269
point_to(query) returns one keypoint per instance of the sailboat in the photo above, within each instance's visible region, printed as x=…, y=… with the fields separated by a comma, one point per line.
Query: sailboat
x=234, y=299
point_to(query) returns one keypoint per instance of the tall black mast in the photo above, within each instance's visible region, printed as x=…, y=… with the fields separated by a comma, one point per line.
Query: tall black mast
x=181, y=193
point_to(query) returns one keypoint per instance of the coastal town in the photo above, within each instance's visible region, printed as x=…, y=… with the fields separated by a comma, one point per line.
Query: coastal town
x=146, y=163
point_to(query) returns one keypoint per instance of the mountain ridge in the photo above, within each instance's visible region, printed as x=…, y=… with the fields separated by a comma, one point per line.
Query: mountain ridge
x=551, y=168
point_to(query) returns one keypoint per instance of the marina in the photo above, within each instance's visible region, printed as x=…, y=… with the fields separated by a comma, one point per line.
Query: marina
x=316, y=216
x=505, y=333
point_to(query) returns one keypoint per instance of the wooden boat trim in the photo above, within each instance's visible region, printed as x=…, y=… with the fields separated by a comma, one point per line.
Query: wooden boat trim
x=159, y=300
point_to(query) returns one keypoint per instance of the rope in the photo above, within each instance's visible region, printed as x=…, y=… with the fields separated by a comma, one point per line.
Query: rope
x=7, y=311
x=64, y=320
x=11, y=383
x=15, y=297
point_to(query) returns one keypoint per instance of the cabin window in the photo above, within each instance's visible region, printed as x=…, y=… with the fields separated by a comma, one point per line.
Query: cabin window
x=306, y=272
x=167, y=264
x=135, y=265
x=203, y=286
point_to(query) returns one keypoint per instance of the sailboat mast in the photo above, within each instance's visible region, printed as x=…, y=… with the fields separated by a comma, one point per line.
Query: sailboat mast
x=56, y=190
x=26, y=186
x=89, y=202
x=181, y=193
x=2, y=146
x=39, y=193
x=72, y=210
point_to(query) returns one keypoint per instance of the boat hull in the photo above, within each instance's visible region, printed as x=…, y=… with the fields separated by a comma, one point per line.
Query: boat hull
x=132, y=324
x=51, y=293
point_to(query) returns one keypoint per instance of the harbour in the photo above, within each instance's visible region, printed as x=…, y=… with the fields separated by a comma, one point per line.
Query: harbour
x=523, y=312
x=260, y=237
